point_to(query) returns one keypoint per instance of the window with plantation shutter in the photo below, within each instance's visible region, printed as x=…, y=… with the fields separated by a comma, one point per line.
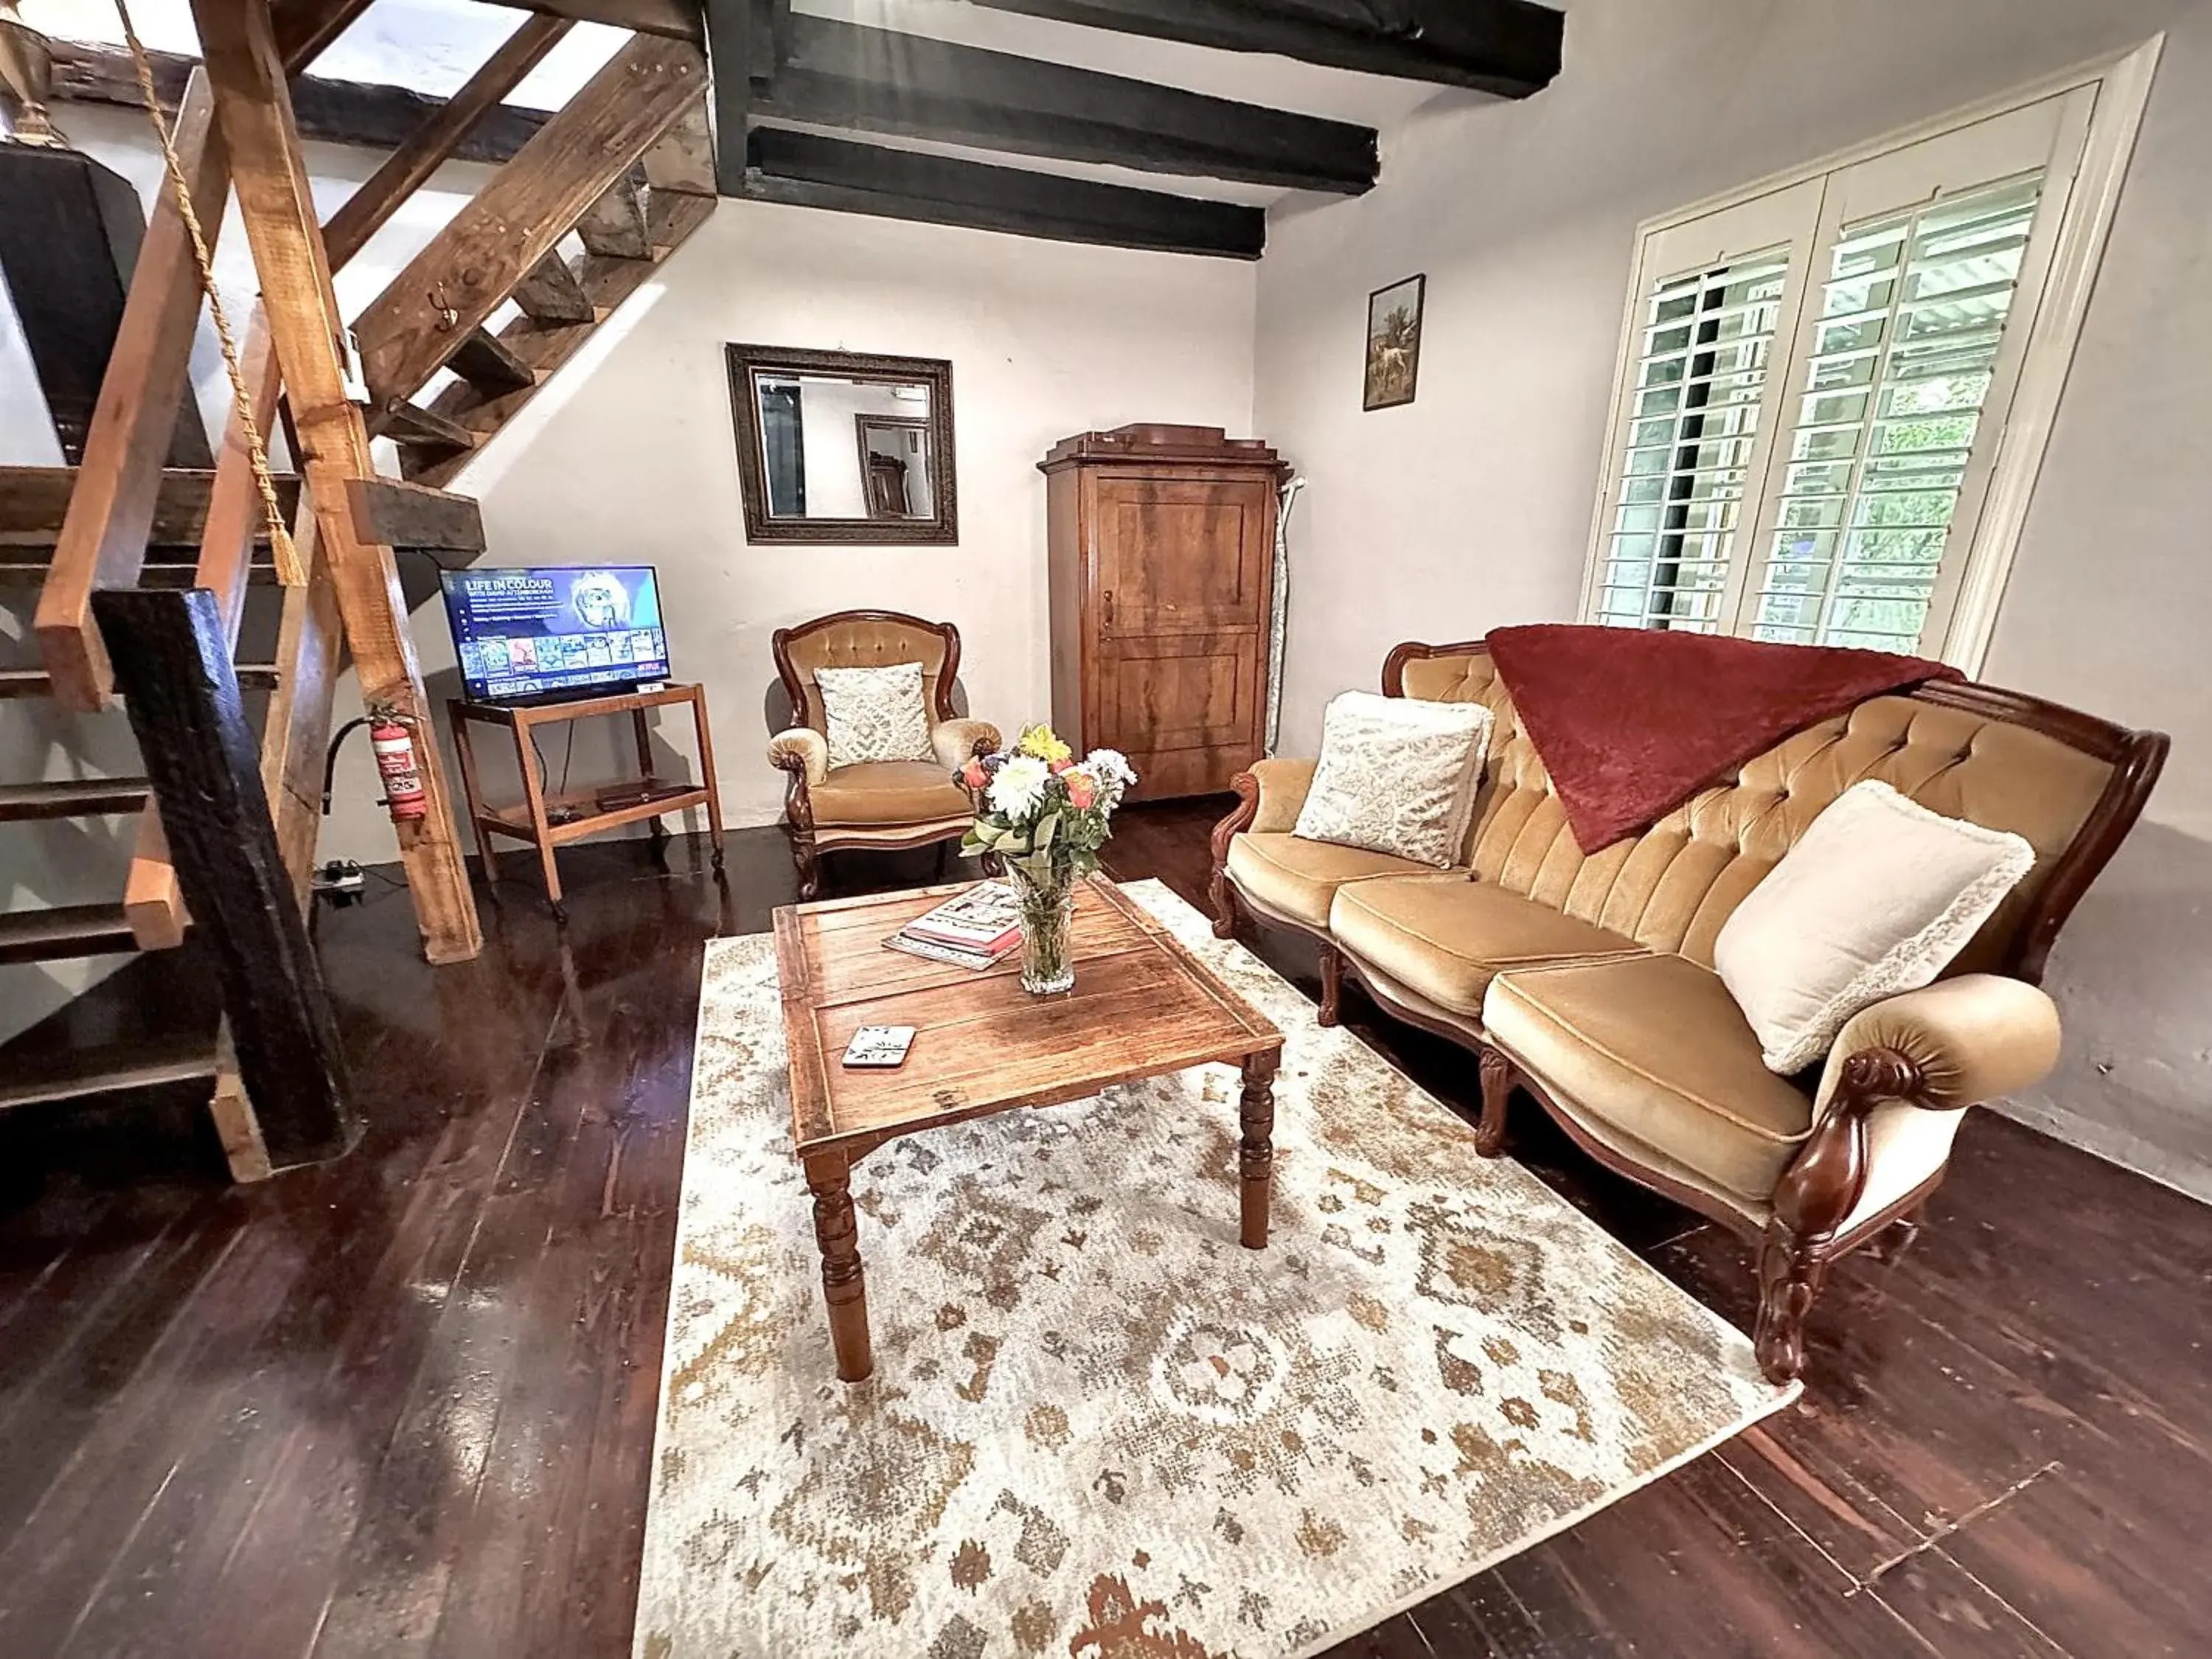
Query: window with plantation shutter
x=1694, y=419
x=1816, y=380
x=1902, y=360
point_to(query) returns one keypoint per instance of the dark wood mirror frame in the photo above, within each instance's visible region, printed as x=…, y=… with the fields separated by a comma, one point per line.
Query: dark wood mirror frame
x=942, y=528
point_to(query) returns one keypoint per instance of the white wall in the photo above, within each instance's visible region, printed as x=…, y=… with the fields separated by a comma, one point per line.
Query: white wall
x=84, y=862
x=628, y=455
x=1471, y=509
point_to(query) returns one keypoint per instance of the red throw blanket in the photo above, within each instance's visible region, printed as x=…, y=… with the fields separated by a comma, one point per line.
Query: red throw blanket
x=1630, y=723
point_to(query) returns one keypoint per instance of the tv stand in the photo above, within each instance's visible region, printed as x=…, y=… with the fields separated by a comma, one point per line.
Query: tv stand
x=549, y=821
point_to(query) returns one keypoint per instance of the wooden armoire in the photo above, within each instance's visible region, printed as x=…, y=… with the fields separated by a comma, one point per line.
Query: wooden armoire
x=1162, y=558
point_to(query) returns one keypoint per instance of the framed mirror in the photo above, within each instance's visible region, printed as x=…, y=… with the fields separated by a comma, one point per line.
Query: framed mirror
x=843, y=446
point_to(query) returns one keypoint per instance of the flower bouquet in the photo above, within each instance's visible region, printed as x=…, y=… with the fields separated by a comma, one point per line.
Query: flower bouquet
x=1045, y=814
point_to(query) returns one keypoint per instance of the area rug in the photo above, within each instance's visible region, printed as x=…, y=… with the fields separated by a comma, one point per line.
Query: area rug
x=1097, y=1427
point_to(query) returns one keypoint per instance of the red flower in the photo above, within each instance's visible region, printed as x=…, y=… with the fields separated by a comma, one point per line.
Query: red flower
x=1082, y=790
x=1060, y=766
x=974, y=776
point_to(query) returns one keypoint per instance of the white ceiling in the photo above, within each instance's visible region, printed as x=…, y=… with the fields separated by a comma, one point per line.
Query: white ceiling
x=433, y=46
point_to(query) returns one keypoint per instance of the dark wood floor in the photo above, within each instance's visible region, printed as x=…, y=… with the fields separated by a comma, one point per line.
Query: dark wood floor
x=405, y=1405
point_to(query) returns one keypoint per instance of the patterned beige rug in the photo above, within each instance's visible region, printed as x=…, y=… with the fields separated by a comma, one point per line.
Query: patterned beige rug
x=1097, y=1427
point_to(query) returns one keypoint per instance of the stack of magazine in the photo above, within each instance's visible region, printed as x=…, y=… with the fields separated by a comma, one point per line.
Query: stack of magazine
x=972, y=929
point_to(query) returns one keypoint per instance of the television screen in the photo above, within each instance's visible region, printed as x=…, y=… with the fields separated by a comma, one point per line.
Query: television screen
x=562, y=631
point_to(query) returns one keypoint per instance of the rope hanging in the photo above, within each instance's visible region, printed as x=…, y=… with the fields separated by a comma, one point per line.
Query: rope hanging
x=286, y=556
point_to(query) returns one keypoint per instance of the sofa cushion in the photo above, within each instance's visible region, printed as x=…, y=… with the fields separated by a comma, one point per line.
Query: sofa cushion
x=874, y=714
x=1298, y=878
x=1874, y=898
x=1397, y=775
x=1657, y=1046
x=887, y=792
x=1445, y=936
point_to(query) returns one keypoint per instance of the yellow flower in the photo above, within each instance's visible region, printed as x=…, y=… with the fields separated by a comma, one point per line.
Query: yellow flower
x=1038, y=740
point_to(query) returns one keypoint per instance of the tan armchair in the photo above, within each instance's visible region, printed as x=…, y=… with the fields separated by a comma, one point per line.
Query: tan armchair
x=883, y=805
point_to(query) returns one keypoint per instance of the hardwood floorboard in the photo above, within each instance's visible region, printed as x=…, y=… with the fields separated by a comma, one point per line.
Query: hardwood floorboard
x=405, y=1405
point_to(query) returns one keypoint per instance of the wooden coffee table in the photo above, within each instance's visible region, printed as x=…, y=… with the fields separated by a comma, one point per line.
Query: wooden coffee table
x=1142, y=1006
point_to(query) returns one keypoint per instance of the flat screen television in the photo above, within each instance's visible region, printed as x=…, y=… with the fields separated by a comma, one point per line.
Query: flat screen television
x=559, y=632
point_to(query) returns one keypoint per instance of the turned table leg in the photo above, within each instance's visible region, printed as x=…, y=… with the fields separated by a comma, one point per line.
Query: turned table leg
x=842, y=1286
x=1255, y=1152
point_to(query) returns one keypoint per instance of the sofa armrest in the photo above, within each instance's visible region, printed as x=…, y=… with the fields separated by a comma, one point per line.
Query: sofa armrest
x=1897, y=1085
x=958, y=742
x=1961, y=1042
x=1282, y=791
x=802, y=751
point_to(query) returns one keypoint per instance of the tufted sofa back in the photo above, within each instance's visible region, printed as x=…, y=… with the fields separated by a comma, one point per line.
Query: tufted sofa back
x=866, y=639
x=2070, y=784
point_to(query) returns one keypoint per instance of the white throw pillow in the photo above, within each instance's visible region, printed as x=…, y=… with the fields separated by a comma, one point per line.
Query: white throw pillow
x=874, y=714
x=1877, y=896
x=1397, y=775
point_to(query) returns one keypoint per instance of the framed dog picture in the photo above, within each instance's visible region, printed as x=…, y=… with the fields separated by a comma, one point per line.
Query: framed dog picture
x=1393, y=343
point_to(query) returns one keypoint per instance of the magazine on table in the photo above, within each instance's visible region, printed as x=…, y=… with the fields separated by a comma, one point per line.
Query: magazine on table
x=952, y=955
x=986, y=918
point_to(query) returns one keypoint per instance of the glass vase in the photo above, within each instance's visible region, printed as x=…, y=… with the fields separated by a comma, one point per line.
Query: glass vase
x=1047, y=910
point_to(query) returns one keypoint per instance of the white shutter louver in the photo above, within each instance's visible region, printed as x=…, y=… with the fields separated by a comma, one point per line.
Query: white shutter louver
x=1901, y=359
x=1692, y=426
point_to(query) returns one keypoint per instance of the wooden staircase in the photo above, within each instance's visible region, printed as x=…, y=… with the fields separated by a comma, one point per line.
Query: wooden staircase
x=622, y=232
x=626, y=170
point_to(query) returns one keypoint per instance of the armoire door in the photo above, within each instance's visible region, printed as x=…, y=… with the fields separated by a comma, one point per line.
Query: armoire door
x=1181, y=568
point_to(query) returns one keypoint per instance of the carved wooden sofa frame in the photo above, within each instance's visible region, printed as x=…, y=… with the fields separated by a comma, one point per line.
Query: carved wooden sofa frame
x=800, y=752
x=1822, y=1185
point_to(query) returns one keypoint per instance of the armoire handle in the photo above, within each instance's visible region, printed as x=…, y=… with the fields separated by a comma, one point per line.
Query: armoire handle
x=1106, y=604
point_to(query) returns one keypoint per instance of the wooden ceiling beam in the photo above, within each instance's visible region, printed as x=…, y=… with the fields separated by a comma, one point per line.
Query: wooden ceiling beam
x=870, y=80
x=270, y=174
x=807, y=170
x=676, y=20
x=425, y=149
x=471, y=266
x=734, y=57
x=362, y=114
x=1509, y=47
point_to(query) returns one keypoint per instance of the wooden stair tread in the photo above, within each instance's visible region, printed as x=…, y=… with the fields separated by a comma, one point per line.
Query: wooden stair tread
x=164, y=568
x=76, y=1074
x=613, y=227
x=488, y=365
x=550, y=294
x=34, y=681
x=64, y=931
x=411, y=426
x=72, y=798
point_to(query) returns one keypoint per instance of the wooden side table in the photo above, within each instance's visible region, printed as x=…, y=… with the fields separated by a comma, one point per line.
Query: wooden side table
x=548, y=821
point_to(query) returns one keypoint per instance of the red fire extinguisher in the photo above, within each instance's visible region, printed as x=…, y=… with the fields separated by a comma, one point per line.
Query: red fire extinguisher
x=395, y=763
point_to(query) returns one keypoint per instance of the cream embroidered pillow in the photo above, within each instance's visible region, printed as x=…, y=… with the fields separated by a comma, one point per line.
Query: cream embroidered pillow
x=874, y=714
x=1397, y=775
x=1875, y=899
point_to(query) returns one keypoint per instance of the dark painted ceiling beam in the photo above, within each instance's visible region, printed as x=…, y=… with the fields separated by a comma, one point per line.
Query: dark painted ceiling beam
x=807, y=170
x=869, y=80
x=1510, y=47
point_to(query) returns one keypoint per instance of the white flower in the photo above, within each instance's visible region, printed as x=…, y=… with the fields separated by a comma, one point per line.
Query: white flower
x=1018, y=786
x=1110, y=766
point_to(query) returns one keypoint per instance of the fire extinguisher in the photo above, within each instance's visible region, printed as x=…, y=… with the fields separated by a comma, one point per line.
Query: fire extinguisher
x=388, y=735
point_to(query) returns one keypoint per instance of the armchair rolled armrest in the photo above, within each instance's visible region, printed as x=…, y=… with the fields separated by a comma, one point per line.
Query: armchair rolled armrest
x=1895, y=1090
x=802, y=751
x=957, y=742
x=1959, y=1042
x=1268, y=797
x=1282, y=786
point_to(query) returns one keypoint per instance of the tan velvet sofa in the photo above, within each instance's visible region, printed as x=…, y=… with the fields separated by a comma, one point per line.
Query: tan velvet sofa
x=1587, y=984
x=877, y=804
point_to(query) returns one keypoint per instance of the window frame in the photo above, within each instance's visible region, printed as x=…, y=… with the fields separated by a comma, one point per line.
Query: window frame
x=2120, y=84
